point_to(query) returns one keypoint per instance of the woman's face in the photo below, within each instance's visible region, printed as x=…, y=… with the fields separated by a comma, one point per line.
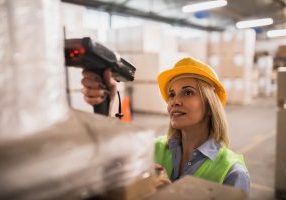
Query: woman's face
x=185, y=105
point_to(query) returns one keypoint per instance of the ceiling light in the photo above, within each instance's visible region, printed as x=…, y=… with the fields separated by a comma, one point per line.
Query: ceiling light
x=276, y=33
x=204, y=6
x=254, y=23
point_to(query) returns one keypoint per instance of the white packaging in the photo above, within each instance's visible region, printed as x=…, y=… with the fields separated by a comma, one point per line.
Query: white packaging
x=77, y=102
x=74, y=78
x=32, y=67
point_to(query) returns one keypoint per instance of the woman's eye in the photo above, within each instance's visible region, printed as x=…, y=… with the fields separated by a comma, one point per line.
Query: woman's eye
x=171, y=94
x=188, y=92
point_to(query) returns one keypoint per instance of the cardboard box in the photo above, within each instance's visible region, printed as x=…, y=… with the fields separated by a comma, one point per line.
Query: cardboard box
x=280, y=172
x=229, y=43
x=242, y=42
x=140, y=39
x=195, y=47
x=190, y=187
x=141, y=188
x=146, y=97
x=215, y=62
x=281, y=89
x=235, y=67
x=239, y=91
x=169, y=42
x=231, y=53
x=214, y=43
x=281, y=52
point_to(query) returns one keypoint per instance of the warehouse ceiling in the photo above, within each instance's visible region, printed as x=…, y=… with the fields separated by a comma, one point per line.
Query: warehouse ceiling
x=170, y=11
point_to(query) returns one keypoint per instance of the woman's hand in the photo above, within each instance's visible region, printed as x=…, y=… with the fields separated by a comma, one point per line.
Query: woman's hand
x=162, y=177
x=95, y=90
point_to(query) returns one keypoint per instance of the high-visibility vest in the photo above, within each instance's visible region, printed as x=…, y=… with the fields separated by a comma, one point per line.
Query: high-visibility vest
x=212, y=170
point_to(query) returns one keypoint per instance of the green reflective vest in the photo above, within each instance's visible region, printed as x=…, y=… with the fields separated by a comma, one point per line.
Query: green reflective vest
x=212, y=170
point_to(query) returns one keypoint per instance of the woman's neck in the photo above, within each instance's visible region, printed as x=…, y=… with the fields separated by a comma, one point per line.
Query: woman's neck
x=193, y=137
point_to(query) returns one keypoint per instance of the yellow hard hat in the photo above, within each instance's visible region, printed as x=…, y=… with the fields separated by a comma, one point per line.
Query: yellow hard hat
x=191, y=66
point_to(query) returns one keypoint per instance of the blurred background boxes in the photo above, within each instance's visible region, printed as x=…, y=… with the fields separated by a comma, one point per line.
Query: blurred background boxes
x=149, y=65
x=196, y=47
x=152, y=48
x=146, y=98
x=138, y=39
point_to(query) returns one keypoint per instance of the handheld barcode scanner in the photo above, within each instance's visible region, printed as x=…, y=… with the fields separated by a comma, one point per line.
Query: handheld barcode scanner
x=95, y=57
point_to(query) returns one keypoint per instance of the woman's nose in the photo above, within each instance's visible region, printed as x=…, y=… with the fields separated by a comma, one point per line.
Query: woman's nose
x=176, y=101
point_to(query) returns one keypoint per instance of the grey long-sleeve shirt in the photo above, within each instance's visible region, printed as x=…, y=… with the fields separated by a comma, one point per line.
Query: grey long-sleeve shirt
x=237, y=175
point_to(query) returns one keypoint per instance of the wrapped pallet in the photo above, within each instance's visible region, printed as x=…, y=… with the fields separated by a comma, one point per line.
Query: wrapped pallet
x=32, y=74
x=47, y=150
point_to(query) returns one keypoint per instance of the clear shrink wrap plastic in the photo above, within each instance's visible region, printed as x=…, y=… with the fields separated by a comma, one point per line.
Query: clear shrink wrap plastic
x=32, y=83
x=33, y=98
x=122, y=160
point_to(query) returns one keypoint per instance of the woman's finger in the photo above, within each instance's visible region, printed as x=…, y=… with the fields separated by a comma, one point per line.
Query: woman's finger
x=94, y=100
x=95, y=92
x=90, y=83
x=91, y=75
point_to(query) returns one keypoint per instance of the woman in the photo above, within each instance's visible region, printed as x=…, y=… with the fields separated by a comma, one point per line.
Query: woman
x=197, y=140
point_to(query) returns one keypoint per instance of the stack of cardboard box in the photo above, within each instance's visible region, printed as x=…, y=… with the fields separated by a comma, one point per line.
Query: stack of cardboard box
x=231, y=54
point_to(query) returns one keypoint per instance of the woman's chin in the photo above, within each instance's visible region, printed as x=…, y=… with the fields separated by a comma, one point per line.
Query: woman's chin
x=176, y=125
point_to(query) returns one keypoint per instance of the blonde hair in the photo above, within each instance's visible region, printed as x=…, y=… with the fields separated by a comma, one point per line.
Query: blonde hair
x=218, y=123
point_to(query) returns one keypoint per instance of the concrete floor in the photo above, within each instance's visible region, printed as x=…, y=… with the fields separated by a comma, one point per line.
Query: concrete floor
x=252, y=132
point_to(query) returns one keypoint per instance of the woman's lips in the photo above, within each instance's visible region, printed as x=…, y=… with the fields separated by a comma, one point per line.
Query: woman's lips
x=177, y=113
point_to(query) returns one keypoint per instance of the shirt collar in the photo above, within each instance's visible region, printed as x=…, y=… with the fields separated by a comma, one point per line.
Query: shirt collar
x=210, y=148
